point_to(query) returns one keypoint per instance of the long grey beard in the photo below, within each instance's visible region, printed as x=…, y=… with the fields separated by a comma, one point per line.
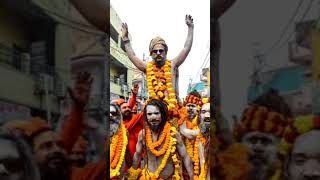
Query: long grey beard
x=205, y=129
x=260, y=173
x=113, y=129
x=191, y=116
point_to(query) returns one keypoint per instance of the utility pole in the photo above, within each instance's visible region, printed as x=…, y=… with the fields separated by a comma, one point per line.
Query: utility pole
x=258, y=65
x=143, y=88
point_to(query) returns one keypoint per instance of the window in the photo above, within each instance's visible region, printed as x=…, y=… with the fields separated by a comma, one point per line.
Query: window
x=114, y=34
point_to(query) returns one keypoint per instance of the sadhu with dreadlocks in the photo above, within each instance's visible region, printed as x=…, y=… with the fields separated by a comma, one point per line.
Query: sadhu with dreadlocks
x=188, y=127
x=162, y=145
x=260, y=130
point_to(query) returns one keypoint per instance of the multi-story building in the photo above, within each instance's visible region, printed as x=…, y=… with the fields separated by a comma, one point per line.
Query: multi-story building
x=89, y=54
x=121, y=68
x=35, y=47
x=203, y=87
x=294, y=83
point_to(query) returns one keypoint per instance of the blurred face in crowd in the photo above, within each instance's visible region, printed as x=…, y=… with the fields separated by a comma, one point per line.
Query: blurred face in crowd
x=125, y=111
x=192, y=110
x=205, y=119
x=159, y=54
x=263, y=148
x=11, y=166
x=115, y=120
x=50, y=154
x=304, y=160
x=78, y=156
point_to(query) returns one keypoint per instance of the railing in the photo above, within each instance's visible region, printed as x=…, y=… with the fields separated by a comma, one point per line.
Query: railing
x=12, y=57
x=117, y=80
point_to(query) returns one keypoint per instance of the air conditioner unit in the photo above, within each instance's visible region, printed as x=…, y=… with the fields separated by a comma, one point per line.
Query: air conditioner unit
x=60, y=89
x=46, y=81
x=124, y=88
x=25, y=62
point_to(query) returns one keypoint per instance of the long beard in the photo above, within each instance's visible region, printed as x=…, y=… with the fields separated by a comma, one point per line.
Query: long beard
x=127, y=116
x=62, y=172
x=155, y=128
x=205, y=129
x=113, y=129
x=260, y=173
x=191, y=115
x=264, y=170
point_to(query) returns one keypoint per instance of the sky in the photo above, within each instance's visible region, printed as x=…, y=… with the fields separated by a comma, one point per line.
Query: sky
x=147, y=19
x=246, y=22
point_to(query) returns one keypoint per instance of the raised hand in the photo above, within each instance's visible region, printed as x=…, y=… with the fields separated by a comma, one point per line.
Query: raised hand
x=135, y=89
x=125, y=31
x=189, y=20
x=81, y=90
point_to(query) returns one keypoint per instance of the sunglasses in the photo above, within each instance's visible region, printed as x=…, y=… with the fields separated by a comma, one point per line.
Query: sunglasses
x=113, y=113
x=158, y=50
x=12, y=165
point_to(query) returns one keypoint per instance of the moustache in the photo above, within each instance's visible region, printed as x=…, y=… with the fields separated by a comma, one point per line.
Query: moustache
x=259, y=157
x=56, y=155
x=206, y=119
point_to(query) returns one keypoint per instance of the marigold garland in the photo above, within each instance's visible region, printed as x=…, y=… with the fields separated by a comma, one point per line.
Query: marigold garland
x=147, y=175
x=163, y=136
x=152, y=146
x=133, y=174
x=190, y=143
x=118, y=144
x=196, y=159
x=159, y=83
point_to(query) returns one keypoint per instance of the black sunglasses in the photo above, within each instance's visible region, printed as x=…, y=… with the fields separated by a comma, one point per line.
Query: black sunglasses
x=114, y=113
x=158, y=50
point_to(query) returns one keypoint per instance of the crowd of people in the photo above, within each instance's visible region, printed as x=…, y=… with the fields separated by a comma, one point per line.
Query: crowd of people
x=33, y=150
x=171, y=139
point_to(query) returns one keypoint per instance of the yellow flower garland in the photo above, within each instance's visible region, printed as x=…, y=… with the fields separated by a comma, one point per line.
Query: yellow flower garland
x=119, y=141
x=204, y=171
x=152, y=146
x=159, y=83
x=147, y=175
x=196, y=159
x=190, y=143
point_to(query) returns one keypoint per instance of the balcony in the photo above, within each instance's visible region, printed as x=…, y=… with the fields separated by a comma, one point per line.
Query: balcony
x=299, y=54
x=118, y=86
x=14, y=58
x=119, y=54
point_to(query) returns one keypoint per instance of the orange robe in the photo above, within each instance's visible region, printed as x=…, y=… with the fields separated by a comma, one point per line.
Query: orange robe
x=71, y=131
x=134, y=126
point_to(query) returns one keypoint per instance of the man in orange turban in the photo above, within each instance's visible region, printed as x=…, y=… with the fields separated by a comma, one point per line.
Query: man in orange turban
x=51, y=149
x=261, y=128
x=132, y=122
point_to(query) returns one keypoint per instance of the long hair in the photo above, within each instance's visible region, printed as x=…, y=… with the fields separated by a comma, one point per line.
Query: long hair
x=30, y=169
x=164, y=116
x=162, y=108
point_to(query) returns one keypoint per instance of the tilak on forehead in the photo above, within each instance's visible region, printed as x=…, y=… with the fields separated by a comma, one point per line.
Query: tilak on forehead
x=157, y=40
